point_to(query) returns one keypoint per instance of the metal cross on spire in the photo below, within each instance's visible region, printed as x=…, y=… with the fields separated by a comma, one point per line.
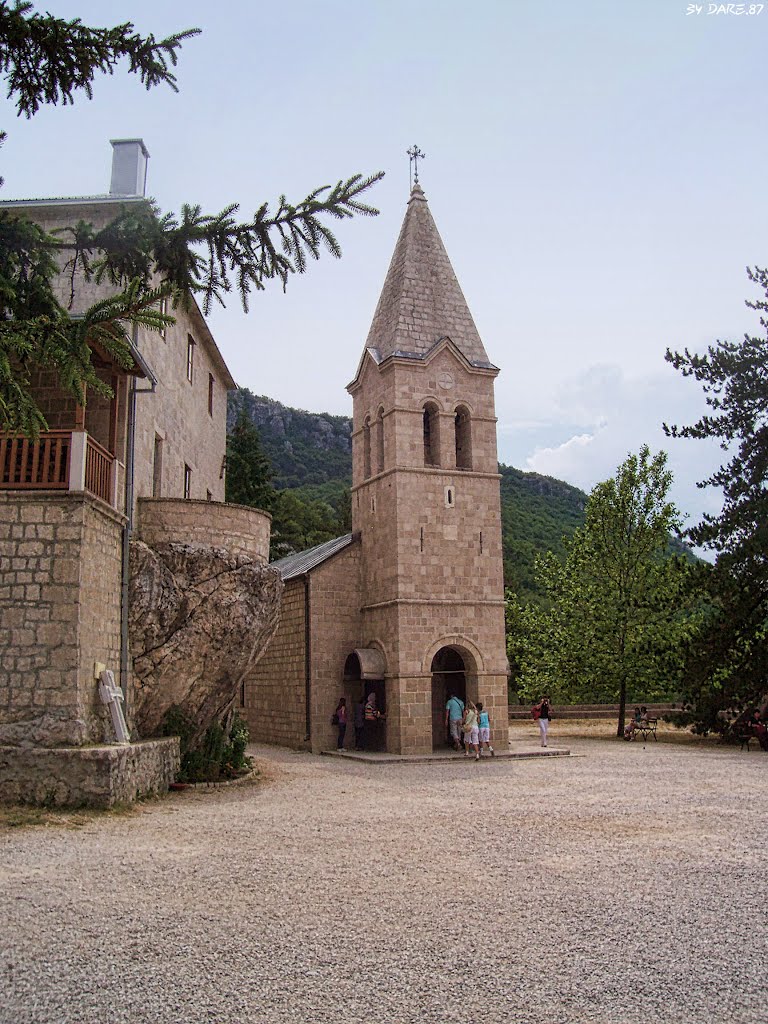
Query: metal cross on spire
x=414, y=155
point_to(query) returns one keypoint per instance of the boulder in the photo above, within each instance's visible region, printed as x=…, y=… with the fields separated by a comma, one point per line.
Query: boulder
x=199, y=618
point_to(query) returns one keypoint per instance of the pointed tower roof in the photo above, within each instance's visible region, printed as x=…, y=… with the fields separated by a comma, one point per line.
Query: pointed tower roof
x=421, y=303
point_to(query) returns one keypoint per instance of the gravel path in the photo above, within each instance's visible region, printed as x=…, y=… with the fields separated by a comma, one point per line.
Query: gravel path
x=340, y=892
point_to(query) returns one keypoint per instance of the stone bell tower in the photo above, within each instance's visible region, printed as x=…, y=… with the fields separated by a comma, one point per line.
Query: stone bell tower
x=425, y=496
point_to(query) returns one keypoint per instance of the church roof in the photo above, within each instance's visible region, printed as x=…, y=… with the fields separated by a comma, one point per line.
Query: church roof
x=421, y=302
x=296, y=565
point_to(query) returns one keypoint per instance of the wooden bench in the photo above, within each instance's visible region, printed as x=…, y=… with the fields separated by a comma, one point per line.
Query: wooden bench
x=646, y=729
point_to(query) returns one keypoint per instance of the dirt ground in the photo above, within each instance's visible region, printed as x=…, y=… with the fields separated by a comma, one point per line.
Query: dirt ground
x=623, y=883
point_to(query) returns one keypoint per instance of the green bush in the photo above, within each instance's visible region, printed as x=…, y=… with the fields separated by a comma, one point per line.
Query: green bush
x=219, y=755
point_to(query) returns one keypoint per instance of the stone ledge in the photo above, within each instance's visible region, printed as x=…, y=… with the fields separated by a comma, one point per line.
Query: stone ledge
x=97, y=776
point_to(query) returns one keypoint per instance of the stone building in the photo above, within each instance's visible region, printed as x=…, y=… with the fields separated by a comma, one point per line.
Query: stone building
x=71, y=502
x=410, y=604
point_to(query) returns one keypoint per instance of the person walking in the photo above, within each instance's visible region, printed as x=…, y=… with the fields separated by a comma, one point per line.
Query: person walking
x=470, y=730
x=545, y=716
x=454, y=712
x=484, y=730
x=340, y=715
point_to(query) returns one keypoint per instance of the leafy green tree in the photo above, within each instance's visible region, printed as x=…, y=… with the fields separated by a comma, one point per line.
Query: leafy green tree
x=614, y=619
x=249, y=473
x=727, y=663
x=298, y=525
x=47, y=60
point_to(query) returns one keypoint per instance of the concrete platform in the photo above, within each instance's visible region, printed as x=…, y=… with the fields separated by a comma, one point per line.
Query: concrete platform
x=445, y=756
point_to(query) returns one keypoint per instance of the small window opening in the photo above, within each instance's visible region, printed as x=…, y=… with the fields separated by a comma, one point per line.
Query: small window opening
x=157, y=468
x=450, y=497
x=187, y=482
x=421, y=539
x=211, y=382
x=190, y=357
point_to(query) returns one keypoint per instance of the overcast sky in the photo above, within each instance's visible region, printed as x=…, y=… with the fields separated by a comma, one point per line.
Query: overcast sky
x=596, y=170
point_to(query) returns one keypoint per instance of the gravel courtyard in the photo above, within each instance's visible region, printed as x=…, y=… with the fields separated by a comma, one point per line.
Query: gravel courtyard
x=620, y=884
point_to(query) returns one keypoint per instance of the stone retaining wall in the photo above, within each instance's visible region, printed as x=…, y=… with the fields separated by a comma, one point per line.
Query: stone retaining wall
x=88, y=776
x=241, y=530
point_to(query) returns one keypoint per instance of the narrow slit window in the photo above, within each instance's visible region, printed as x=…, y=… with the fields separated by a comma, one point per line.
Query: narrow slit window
x=187, y=482
x=190, y=357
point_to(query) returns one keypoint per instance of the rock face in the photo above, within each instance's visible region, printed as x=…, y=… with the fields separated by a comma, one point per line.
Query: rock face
x=199, y=617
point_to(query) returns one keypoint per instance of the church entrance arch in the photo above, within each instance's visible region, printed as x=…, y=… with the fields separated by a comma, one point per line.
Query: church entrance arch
x=364, y=672
x=449, y=678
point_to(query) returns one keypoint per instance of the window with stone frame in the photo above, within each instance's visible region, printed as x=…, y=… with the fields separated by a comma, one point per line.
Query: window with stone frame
x=187, y=482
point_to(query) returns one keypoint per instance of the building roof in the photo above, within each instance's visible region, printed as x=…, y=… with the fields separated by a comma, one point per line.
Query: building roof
x=422, y=302
x=296, y=565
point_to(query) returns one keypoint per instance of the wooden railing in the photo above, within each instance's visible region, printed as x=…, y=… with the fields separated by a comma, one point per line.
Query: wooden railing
x=41, y=464
x=61, y=460
x=98, y=470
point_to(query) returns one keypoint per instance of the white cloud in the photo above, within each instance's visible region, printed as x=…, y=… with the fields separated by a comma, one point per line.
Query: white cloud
x=602, y=414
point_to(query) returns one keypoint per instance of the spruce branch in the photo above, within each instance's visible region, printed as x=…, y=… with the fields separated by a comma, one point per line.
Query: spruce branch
x=47, y=59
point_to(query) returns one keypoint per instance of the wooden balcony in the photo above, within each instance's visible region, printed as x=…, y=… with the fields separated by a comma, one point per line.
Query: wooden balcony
x=59, y=460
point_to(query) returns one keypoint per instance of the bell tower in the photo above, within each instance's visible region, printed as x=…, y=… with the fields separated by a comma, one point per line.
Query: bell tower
x=425, y=496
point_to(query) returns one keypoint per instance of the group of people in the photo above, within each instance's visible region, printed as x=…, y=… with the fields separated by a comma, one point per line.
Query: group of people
x=468, y=726
x=367, y=717
x=639, y=718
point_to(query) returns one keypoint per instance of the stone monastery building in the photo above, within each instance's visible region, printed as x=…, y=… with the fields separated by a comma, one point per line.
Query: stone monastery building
x=122, y=566
x=410, y=604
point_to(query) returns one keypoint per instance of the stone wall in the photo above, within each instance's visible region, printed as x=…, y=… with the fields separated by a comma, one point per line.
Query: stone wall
x=100, y=776
x=335, y=633
x=241, y=530
x=59, y=613
x=275, y=689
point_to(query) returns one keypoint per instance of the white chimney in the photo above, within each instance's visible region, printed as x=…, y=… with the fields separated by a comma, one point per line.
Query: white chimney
x=129, y=167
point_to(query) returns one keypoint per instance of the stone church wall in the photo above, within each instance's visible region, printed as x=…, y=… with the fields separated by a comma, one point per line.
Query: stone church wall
x=335, y=633
x=275, y=688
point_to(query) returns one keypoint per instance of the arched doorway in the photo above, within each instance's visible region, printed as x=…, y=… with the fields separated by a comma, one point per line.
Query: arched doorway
x=364, y=671
x=449, y=677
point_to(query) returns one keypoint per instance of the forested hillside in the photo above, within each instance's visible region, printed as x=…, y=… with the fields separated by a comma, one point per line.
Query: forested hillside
x=311, y=454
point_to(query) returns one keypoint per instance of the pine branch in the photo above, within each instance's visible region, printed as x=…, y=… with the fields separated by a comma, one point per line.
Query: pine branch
x=46, y=59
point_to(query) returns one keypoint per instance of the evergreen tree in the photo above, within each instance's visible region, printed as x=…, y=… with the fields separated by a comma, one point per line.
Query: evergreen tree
x=727, y=664
x=614, y=620
x=46, y=60
x=249, y=473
